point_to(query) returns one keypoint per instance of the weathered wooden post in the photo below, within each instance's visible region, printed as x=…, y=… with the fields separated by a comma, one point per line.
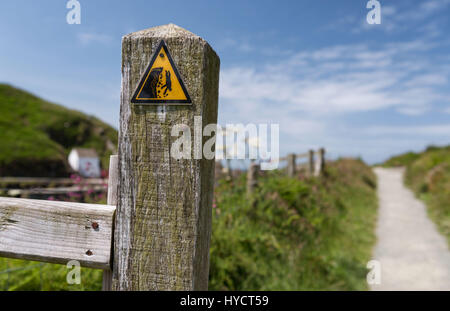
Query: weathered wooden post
x=291, y=165
x=163, y=218
x=320, y=162
x=113, y=183
x=311, y=162
x=252, y=177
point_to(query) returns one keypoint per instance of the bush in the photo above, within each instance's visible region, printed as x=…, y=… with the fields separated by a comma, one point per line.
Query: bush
x=429, y=177
x=294, y=233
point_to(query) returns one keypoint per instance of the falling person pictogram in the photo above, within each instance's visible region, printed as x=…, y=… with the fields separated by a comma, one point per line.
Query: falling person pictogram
x=161, y=83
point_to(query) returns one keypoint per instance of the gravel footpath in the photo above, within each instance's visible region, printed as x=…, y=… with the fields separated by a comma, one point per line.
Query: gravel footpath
x=411, y=252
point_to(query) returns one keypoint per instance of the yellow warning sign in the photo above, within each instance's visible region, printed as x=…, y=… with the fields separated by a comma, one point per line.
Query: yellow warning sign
x=161, y=82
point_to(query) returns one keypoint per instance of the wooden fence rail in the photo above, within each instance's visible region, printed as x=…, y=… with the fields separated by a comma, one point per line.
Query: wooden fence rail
x=315, y=162
x=56, y=232
x=161, y=228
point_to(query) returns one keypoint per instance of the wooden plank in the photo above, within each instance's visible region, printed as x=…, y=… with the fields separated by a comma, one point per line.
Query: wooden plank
x=56, y=232
x=163, y=223
x=113, y=184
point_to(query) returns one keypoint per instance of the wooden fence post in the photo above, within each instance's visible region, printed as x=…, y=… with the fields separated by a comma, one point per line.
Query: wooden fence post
x=113, y=183
x=252, y=177
x=163, y=218
x=320, y=163
x=229, y=171
x=291, y=165
x=311, y=162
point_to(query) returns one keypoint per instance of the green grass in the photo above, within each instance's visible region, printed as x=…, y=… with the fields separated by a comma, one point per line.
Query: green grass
x=20, y=275
x=293, y=234
x=429, y=177
x=401, y=160
x=37, y=135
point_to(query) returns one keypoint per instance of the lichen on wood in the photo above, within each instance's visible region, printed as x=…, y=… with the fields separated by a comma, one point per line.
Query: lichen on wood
x=163, y=222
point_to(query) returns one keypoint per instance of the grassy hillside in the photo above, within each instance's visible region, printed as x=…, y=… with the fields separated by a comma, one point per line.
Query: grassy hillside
x=428, y=175
x=402, y=159
x=293, y=234
x=36, y=136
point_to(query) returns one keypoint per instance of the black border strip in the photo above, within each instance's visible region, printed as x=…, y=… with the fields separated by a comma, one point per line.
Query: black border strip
x=134, y=99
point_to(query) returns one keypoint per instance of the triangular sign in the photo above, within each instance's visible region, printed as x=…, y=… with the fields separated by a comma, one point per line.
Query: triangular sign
x=161, y=82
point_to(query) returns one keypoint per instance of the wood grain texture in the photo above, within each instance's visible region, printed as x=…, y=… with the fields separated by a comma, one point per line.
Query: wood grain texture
x=113, y=185
x=163, y=221
x=56, y=232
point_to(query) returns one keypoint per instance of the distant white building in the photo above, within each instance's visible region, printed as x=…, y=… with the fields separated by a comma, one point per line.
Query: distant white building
x=85, y=162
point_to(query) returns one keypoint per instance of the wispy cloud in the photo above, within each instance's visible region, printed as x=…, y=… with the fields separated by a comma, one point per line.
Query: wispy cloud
x=401, y=16
x=237, y=44
x=313, y=94
x=443, y=129
x=417, y=12
x=87, y=38
x=342, y=79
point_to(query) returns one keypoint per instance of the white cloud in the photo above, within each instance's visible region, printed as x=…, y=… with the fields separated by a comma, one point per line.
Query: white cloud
x=316, y=96
x=239, y=45
x=87, y=38
x=443, y=129
x=398, y=18
x=340, y=79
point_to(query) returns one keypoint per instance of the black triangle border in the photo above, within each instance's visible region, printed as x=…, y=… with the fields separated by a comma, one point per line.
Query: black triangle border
x=187, y=101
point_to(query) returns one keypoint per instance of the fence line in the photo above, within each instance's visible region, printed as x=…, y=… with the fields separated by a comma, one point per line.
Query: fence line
x=315, y=167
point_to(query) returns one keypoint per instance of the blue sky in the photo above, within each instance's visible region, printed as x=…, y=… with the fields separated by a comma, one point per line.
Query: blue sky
x=315, y=67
